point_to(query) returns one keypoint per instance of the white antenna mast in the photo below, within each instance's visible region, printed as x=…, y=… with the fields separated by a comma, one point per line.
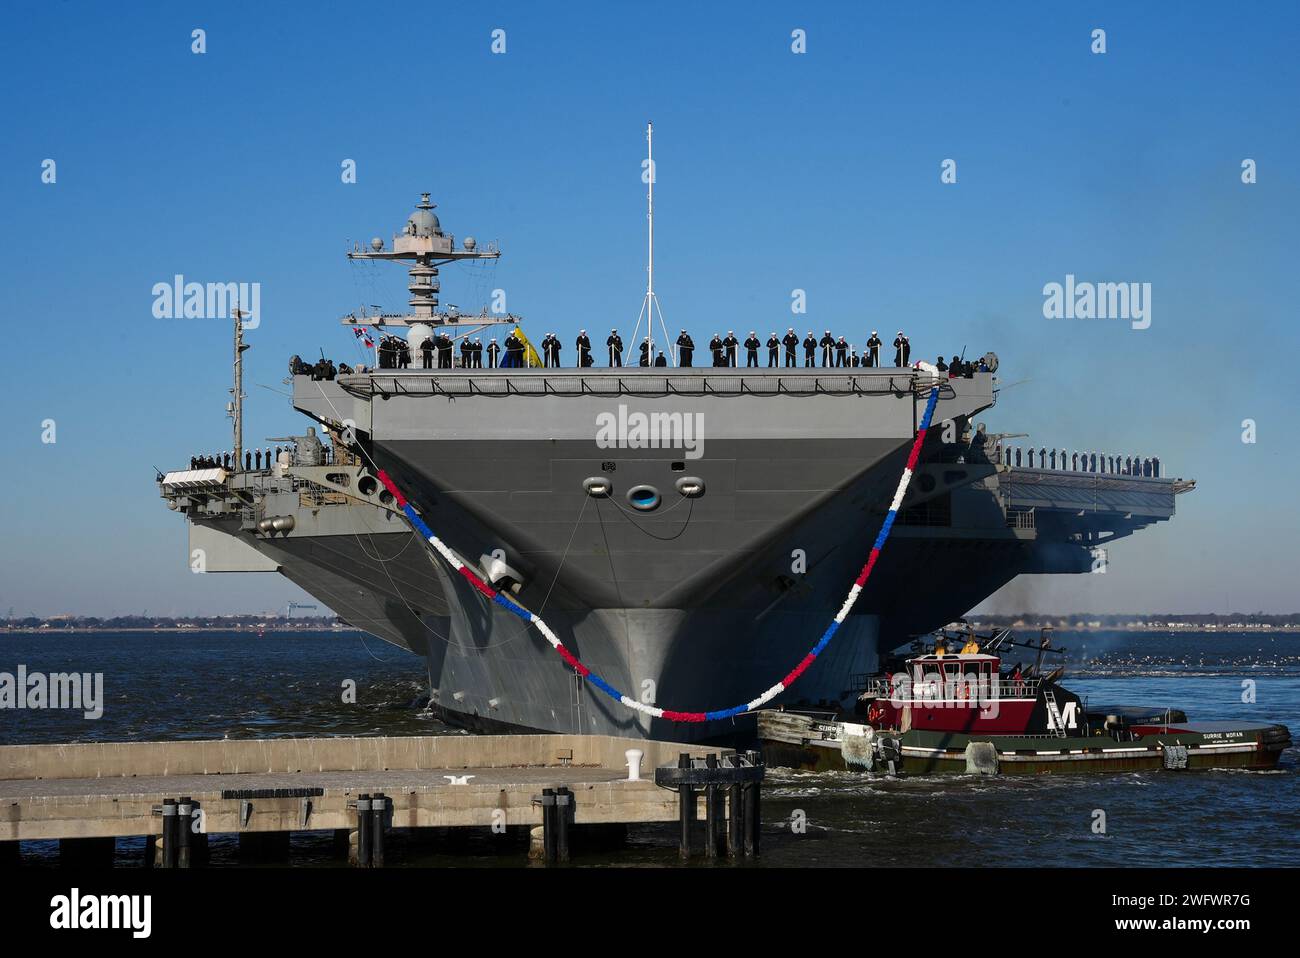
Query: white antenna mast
x=650, y=304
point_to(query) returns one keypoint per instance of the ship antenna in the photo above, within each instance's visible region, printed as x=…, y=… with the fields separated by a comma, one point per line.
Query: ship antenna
x=236, y=407
x=650, y=304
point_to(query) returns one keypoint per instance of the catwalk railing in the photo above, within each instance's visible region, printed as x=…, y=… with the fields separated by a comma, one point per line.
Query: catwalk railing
x=636, y=381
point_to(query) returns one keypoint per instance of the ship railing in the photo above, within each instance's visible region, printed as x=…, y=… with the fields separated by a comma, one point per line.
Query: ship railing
x=1020, y=518
x=310, y=494
x=635, y=381
x=1003, y=689
x=265, y=481
x=1086, y=463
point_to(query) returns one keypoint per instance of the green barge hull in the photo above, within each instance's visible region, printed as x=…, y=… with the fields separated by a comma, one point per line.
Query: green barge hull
x=811, y=743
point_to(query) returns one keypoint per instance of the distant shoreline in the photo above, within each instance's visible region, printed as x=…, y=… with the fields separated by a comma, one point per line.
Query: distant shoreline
x=979, y=626
x=252, y=630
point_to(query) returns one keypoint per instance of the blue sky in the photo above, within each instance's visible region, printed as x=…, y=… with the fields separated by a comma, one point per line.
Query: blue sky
x=776, y=171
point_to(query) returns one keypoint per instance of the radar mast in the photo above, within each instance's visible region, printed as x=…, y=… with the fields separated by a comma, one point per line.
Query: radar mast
x=426, y=247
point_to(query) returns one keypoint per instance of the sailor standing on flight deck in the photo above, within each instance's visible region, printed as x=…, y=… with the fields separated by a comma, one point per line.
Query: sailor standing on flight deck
x=583, y=345
x=715, y=347
x=731, y=342
x=426, y=352
x=493, y=352
x=615, y=344
x=810, y=349
x=902, y=350
x=791, y=343
x=685, y=349
x=873, y=350
x=773, y=344
x=478, y=352
x=751, y=350
x=466, y=347
x=645, y=352
x=841, y=352
x=827, y=344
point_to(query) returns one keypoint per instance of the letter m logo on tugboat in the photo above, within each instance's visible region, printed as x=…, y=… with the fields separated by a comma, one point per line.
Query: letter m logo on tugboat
x=1062, y=717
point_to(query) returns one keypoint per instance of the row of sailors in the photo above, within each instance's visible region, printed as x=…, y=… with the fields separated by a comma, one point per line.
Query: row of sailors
x=835, y=351
x=396, y=353
x=253, y=459
x=1084, y=462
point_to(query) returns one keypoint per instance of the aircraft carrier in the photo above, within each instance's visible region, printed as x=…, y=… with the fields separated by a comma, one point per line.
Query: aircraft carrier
x=687, y=533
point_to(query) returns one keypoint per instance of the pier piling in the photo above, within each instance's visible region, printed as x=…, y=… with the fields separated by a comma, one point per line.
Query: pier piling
x=169, y=834
x=736, y=811
x=563, y=817
x=732, y=783
x=712, y=811
x=753, y=810
x=184, y=811
x=378, y=810
x=364, y=827
x=549, y=828
x=686, y=808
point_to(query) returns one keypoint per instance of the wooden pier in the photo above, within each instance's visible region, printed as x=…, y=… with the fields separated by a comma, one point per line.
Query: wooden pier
x=178, y=793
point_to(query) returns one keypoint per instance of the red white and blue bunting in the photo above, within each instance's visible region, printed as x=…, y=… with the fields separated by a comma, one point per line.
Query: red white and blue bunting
x=655, y=711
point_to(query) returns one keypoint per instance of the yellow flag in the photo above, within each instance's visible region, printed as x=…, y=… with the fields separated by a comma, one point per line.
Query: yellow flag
x=531, y=359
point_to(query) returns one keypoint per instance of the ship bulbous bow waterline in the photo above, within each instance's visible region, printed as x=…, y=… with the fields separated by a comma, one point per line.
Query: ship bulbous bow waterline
x=686, y=533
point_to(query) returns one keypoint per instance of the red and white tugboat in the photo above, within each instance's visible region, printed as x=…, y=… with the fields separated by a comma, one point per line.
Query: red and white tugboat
x=963, y=711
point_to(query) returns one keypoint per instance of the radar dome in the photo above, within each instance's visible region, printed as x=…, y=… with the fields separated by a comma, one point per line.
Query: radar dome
x=417, y=334
x=423, y=223
x=376, y=244
x=470, y=243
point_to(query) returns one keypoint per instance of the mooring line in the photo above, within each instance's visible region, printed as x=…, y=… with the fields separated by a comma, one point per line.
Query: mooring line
x=654, y=711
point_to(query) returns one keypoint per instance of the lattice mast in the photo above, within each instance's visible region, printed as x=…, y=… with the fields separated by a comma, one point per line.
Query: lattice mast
x=235, y=408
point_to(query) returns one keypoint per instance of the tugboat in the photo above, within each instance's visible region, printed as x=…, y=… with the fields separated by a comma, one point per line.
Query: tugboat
x=964, y=712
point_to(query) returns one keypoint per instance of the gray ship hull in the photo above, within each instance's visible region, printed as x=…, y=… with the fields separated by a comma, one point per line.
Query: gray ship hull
x=701, y=603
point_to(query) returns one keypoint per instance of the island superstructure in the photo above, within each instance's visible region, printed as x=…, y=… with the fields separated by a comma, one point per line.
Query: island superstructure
x=687, y=533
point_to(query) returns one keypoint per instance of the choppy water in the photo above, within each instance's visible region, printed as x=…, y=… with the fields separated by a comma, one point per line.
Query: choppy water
x=170, y=686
